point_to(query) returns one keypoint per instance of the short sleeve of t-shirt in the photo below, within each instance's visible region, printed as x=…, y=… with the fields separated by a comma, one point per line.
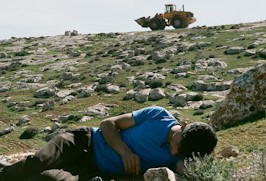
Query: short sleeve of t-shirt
x=150, y=113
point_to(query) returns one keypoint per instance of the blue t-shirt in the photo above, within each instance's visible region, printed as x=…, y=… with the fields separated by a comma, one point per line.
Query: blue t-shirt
x=146, y=139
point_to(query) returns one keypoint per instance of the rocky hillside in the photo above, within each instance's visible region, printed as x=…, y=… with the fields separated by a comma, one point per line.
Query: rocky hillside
x=211, y=74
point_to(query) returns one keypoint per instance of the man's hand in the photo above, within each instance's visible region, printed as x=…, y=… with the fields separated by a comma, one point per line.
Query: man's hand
x=131, y=163
x=110, y=128
x=180, y=167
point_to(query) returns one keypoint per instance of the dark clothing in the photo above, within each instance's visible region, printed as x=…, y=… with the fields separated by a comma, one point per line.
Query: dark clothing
x=67, y=156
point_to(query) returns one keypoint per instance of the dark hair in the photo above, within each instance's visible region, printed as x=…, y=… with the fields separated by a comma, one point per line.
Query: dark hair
x=198, y=139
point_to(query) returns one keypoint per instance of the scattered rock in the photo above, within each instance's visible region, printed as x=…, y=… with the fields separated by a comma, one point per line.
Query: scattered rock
x=159, y=174
x=45, y=92
x=129, y=94
x=24, y=120
x=7, y=131
x=262, y=53
x=207, y=104
x=98, y=110
x=234, y=50
x=210, y=64
x=229, y=151
x=142, y=95
x=29, y=133
x=156, y=94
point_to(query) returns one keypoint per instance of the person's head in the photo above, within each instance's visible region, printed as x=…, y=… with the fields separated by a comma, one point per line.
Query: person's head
x=197, y=138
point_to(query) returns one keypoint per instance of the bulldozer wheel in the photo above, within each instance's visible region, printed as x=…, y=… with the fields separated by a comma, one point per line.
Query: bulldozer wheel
x=156, y=24
x=179, y=22
x=162, y=26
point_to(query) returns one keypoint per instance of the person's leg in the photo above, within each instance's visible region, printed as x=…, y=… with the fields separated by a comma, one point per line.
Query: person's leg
x=54, y=175
x=60, y=175
x=48, y=156
x=62, y=151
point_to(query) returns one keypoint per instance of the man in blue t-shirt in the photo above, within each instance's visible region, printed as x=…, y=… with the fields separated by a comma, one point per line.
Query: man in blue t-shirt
x=127, y=144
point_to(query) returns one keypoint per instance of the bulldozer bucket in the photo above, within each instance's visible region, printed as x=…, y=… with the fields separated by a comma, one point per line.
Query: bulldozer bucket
x=143, y=21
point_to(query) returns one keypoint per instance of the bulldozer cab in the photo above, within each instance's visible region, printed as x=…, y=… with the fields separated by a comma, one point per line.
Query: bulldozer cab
x=170, y=8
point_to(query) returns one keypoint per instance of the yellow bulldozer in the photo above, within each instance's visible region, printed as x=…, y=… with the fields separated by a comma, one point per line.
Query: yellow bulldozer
x=171, y=17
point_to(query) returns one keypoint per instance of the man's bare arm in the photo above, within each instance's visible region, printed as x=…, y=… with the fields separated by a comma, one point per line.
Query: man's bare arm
x=110, y=128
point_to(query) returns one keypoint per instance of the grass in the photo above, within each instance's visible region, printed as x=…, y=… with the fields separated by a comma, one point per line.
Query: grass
x=248, y=137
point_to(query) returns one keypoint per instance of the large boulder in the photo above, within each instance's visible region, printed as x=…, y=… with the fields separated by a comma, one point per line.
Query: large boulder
x=246, y=98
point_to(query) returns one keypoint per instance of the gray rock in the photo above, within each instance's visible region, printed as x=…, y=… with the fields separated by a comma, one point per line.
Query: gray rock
x=183, y=67
x=4, y=88
x=63, y=93
x=49, y=105
x=142, y=95
x=178, y=100
x=200, y=85
x=116, y=68
x=234, y=50
x=74, y=53
x=7, y=131
x=207, y=104
x=246, y=98
x=262, y=53
x=210, y=64
x=84, y=92
x=64, y=118
x=45, y=92
x=175, y=113
x=148, y=76
x=159, y=174
x=24, y=120
x=113, y=89
x=250, y=52
x=70, y=76
x=156, y=94
x=131, y=53
x=207, y=77
x=99, y=110
x=229, y=151
x=125, y=66
x=139, y=84
x=85, y=118
x=129, y=94
x=158, y=55
x=239, y=70
x=3, y=55
x=176, y=87
x=55, y=126
x=29, y=133
x=67, y=99
x=181, y=74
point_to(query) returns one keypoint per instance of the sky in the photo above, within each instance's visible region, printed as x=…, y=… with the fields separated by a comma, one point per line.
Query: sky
x=34, y=18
